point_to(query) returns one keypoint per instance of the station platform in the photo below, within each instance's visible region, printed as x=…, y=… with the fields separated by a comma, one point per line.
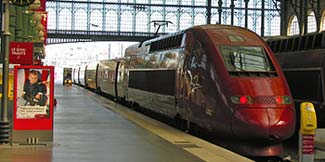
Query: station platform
x=91, y=128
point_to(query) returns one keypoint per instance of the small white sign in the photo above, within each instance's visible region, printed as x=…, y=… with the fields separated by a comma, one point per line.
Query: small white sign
x=30, y=111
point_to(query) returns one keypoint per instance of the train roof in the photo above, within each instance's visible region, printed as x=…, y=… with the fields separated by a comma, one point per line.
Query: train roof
x=232, y=35
x=226, y=34
x=202, y=27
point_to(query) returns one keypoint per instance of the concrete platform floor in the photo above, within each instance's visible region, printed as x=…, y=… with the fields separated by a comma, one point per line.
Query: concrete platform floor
x=90, y=128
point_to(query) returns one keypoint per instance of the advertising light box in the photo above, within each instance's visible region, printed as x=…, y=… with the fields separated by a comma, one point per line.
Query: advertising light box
x=33, y=104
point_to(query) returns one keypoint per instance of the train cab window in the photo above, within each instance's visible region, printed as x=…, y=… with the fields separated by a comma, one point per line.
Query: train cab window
x=246, y=59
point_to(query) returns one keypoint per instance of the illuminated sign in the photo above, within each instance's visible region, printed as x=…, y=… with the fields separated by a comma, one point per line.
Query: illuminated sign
x=21, y=53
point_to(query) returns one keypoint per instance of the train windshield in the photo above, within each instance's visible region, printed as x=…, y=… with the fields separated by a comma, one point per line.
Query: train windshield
x=246, y=58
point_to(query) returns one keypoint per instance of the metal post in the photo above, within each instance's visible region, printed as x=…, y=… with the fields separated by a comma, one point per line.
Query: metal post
x=246, y=13
x=220, y=10
x=301, y=18
x=5, y=69
x=4, y=122
x=262, y=18
x=232, y=7
x=283, y=13
x=208, y=15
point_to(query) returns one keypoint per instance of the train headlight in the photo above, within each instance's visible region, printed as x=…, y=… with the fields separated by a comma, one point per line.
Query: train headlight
x=241, y=99
x=279, y=99
x=69, y=81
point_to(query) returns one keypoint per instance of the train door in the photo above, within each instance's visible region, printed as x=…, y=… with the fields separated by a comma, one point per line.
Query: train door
x=189, y=79
x=200, y=88
x=195, y=73
x=119, y=85
x=96, y=78
x=117, y=78
x=79, y=69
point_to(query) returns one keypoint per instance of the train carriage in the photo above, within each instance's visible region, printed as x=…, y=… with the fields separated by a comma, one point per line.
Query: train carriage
x=91, y=76
x=221, y=78
x=75, y=72
x=81, y=75
x=110, y=78
x=226, y=80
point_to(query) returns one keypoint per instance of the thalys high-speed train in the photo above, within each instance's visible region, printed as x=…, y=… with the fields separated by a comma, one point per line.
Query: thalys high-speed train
x=221, y=78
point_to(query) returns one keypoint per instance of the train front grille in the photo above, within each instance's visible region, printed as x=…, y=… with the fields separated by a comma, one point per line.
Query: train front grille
x=263, y=100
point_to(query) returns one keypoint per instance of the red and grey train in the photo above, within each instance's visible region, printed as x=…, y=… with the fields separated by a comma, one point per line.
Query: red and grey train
x=222, y=78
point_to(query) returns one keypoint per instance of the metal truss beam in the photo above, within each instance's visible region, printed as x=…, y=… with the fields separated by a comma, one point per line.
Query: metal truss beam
x=88, y=36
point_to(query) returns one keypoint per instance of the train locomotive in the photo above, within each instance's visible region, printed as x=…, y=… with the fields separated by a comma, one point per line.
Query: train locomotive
x=222, y=78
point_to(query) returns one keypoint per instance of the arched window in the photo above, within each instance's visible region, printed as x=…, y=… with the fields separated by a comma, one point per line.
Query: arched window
x=141, y=23
x=199, y=19
x=227, y=20
x=171, y=27
x=254, y=25
x=272, y=28
x=51, y=19
x=238, y=21
x=81, y=20
x=65, y=20
x=215, y=19
x=185, y=21
x=254, y=22
x=126, y=21
x=96, y=20
x=311, y=22
x=111, y=21
x=293, y=27
x=250, y=23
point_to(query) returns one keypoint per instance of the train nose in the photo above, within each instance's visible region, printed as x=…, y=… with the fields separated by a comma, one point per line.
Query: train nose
x=270, y=124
